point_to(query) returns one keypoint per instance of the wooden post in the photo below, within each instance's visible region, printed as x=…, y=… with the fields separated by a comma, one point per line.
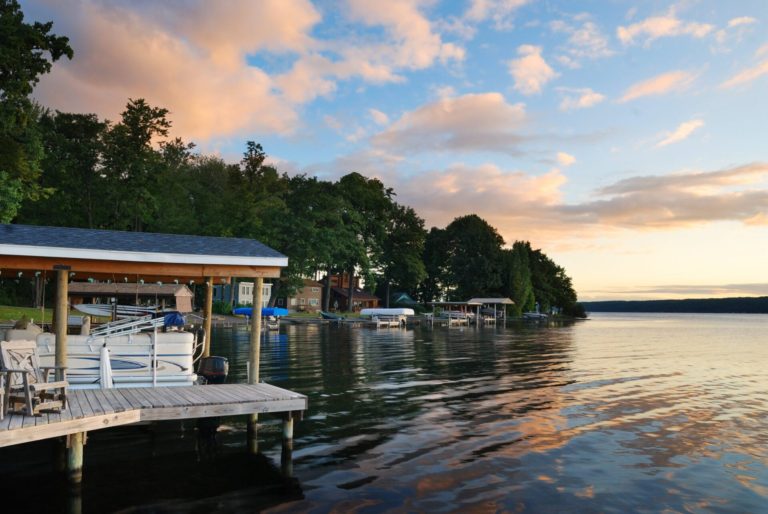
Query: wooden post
x=85, y=329
x=61, y=314
x=207, y=312
x=286, y=454
x=75, y=444
x=255, y=359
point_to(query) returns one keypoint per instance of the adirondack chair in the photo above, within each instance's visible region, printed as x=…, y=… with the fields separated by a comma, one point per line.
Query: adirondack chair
x=27, y=382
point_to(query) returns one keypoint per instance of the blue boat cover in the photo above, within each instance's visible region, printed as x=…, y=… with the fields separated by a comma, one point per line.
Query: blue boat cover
x=174, y=319
x=265, y=311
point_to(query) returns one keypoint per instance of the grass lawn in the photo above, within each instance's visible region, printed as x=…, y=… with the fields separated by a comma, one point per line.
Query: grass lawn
x=8, y=313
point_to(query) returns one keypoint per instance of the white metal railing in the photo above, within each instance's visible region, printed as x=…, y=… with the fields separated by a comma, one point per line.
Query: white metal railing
x=128, y=326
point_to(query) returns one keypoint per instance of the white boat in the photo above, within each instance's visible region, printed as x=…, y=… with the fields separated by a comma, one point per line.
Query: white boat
x=138, y=359
x=394, y=311
x=131, y=356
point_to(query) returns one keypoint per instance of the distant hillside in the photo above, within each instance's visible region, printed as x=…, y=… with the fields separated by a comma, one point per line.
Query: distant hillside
x=705, y=305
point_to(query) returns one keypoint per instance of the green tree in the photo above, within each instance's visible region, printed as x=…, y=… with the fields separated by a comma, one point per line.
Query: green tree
x=402, y=265
x=552, y=287
x=260, y=192
x=27, y=52
x=474, y=258
x=369, y=207
x=435, y=258
x=72, y=169
x=516, y=277
x=132, y=164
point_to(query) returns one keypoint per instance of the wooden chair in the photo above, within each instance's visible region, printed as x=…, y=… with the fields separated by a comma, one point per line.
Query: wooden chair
x=27, y=383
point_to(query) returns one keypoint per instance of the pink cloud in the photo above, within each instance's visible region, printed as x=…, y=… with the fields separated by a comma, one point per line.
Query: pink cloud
x=470, y=122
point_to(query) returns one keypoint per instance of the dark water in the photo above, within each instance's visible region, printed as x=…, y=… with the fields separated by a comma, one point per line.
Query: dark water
x=622, y=413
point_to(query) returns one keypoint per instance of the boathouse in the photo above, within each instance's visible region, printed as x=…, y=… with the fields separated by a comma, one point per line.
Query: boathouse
x=66, y=255
x=177, y=296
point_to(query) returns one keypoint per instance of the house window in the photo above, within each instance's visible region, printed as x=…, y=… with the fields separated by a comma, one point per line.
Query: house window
x=313, y=301
x=279, y=302
x=293, y=301
x=315, y=289
x=302, y=301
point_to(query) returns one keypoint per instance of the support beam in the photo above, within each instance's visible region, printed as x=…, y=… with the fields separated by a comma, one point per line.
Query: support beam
x=254, y=361
x=207, y=313
x=75, y=445
x=61, y=315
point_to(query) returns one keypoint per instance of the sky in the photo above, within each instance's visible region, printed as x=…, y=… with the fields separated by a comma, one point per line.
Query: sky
x=627, y=140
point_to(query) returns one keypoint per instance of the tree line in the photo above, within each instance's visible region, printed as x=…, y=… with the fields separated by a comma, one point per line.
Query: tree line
x=77, y=170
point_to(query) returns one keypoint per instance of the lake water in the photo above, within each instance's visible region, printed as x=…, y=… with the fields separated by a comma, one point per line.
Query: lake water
x=620, y=413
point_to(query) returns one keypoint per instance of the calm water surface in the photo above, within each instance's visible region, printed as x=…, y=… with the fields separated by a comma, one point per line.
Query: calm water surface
x=621, y=413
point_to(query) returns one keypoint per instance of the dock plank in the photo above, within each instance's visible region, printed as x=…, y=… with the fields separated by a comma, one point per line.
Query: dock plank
x=103, y=408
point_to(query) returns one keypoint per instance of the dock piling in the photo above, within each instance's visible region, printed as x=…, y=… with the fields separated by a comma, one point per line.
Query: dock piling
x=75, y=443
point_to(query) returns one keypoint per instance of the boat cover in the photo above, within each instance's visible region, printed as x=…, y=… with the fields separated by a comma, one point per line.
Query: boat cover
x=265, y=311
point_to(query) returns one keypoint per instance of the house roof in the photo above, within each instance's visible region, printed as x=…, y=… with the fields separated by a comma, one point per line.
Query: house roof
x=133, y=255
x=30, y=240
x=308, y=282
x=122, y=289
x=497, y=301
x=359, y=293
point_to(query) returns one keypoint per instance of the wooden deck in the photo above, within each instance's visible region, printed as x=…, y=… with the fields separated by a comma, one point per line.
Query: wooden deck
x=94, y=409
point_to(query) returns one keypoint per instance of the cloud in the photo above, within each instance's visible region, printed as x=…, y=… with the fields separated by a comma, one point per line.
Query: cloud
x=145, y=58
x=734, y=32
x=413, y=43
x=501, y=12
x=682, y=132
x=531, y=72
x=211, y=79
x=473, y=122
x=742, y=20
x=659, y=85
x=585, y=41
x=746, y=76
x=657, y=27
x=689, y=291
x=678, y=200
x=564, y=159
x=506, y=198
x=579, y=98
x=378, y=117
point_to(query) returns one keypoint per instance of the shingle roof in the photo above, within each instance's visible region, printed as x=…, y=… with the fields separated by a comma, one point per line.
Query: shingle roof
x=59, y=240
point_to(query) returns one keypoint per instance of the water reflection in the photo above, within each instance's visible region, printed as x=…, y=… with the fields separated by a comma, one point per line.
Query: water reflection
x=618, y=414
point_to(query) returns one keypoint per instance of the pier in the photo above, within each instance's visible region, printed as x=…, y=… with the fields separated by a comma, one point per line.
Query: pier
x=95, y=409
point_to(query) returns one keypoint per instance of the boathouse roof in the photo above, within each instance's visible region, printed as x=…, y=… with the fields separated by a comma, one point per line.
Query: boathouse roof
x=135, y=253
x=492, y=301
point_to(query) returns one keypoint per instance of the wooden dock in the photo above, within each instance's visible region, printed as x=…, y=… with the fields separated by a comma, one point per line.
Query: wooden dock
x=94, y=409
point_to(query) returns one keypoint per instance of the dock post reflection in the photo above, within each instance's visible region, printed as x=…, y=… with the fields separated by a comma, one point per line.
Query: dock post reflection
x=253, y=434
x=286, y=455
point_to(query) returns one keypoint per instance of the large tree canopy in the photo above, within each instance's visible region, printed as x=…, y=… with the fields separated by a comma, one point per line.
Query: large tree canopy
x=26, y=52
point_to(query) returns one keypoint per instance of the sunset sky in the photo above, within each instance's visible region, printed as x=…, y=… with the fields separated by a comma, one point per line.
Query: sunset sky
x=628, y=140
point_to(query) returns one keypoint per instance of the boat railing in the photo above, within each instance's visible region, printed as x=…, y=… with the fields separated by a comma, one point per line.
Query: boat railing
x=128, y=326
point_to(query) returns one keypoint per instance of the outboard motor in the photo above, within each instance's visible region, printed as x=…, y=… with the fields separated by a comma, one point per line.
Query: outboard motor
x=214, y=369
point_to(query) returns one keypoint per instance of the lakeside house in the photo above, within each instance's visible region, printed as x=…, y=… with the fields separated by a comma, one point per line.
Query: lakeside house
x=308, y=298
x=241, y=293
x=340, y=295
x=178, y=296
